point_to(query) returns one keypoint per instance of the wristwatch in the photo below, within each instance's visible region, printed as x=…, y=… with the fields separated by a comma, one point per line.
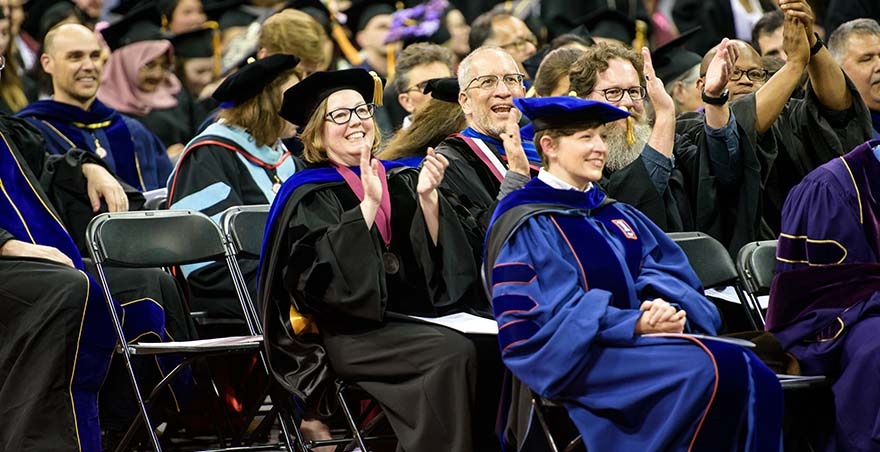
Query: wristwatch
x=716, y=100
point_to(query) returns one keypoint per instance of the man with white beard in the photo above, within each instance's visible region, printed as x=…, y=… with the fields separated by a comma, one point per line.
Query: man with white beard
x=648, y=165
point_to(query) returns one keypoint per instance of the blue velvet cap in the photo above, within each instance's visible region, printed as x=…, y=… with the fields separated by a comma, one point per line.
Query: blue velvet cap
x=564, y=111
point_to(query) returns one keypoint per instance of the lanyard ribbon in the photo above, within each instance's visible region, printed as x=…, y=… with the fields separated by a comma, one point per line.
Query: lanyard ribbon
x=383, y=216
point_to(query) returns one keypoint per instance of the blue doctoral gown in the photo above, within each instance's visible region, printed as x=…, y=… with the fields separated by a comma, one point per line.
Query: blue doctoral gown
x=27, y=216
x=566, y=289
x=134, y=153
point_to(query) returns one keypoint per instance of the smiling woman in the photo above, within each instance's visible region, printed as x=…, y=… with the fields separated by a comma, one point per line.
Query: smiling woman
x=351, y=244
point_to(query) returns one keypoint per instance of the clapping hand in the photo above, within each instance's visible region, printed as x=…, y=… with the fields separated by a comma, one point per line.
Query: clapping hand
x=371, y=184
x=433, y=168
x=720, y=68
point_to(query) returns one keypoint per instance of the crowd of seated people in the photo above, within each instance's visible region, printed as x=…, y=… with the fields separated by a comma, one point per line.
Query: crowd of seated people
x=516, y=161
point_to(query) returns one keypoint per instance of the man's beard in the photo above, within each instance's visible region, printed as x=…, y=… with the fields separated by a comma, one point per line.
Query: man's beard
x=621, y=154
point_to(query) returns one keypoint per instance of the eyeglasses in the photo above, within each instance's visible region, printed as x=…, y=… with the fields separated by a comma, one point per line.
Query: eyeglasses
x=343, y=115
x=2, y=62
x=490, y=82
x=420, y=87
x=616, y=94
x=755, y=74
x=520, y=44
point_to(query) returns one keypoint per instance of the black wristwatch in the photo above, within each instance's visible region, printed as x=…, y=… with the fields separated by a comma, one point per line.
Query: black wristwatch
x=716, y=100
x=817, y=46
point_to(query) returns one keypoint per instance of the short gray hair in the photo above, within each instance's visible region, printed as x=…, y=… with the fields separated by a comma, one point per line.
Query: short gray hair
x=464, y=67
x=839, y=39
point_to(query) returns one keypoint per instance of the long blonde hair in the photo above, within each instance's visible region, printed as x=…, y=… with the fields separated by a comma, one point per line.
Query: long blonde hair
x=431, y=124
x=259, y=115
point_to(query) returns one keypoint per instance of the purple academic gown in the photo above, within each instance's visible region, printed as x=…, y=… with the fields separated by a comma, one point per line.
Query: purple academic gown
x=566, y=289
x=825, y=300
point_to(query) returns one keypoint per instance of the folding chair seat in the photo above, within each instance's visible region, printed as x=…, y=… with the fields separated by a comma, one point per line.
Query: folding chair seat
x=713, y=265
x=244, y=227
x=153, y=239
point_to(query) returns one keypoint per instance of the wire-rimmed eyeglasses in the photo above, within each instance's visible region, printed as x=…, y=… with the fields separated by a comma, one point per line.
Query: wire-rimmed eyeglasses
x=616, y=94
x=343, y=115
x=490, y=82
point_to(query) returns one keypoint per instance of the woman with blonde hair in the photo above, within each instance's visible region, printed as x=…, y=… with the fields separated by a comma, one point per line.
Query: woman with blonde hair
x=352, y=245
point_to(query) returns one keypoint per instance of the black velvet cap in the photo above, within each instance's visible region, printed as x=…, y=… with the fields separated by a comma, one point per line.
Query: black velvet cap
x=532, y=63
x=140, y=24
x=672, y=60
x=250, y=80
x=314, y=8
x=611, y=23
x=194, y=44
x=445, y=89
x=361, y=12
x=302, y=99
x=42, y=15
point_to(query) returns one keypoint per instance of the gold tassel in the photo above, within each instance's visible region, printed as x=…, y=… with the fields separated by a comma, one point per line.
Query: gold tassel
x=164, y=21
x=531, y=92
x=378, y=90
x=351, y=54
x=641, y=35
x=630, y=133
x=215, y=47
x=301, y=323
x=391, y=59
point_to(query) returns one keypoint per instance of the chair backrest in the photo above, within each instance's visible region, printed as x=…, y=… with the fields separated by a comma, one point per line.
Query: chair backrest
x=154, y=238
x=244, y=225
x=708, y=257
x=756, y=264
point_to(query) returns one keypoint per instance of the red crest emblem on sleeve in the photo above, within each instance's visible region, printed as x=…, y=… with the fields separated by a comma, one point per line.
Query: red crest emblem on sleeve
x=625, y=228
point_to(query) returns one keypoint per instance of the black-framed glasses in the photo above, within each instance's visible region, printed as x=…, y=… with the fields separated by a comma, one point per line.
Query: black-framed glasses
x=755, y=74
x=520, y=44
x=616, y=94
x=343, y=115
x=420, y=87
x=490, y=82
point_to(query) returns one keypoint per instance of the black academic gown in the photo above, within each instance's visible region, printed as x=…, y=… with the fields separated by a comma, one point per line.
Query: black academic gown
x=805, y=136
x=318, y=251
x=178, y=124
x=56, y=337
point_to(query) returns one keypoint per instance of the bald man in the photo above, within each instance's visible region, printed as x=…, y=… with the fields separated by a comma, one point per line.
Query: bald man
x=74, y=118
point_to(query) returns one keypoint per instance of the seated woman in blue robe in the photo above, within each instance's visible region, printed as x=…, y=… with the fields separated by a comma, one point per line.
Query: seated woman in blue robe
x=592, y=301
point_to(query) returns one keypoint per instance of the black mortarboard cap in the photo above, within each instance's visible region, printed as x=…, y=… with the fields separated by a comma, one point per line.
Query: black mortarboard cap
x=140, y=24
x=314, y=8
x=42, y=15
x=672, y=60
x=250, y=80
x=611, y=23
x=228, y=13
x=360, y=13
x=445, y=89
x=194, y=44
x=532, y=63
x=564, y=111
x=302, y=99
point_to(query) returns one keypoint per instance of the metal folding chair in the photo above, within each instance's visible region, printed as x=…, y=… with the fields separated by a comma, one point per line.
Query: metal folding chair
x=244, y=227
x=713, y=265
x=151, y=239
x=756, y=265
